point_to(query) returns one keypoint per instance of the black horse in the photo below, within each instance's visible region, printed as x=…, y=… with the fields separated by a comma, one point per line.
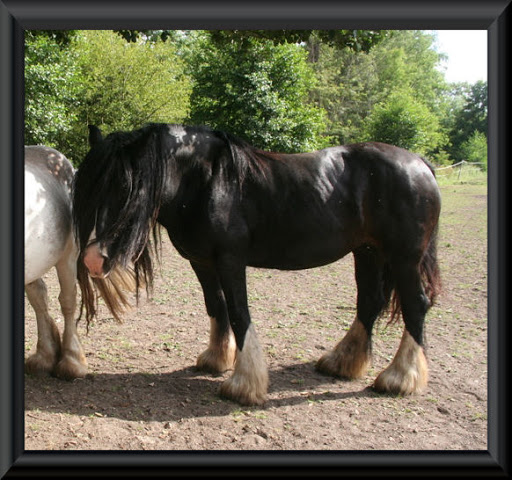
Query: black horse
x=227, y=205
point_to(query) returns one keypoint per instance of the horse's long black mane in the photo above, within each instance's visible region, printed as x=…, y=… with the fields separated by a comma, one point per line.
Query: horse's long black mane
x=126, y=167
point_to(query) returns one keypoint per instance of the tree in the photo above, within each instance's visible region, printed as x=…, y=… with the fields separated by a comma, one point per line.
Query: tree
x=345, y=89
x=257, y=90
x=406, y=122
x=474, y=149
x=469, y=116
x=130, y=84
x=53, y=88
x=357, y=40
x=407, y=60
x=351, y=83
x=97, y=77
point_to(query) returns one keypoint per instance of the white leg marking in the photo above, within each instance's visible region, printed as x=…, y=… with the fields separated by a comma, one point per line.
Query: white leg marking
x=351, y=357
x=249, y=383
x=408, y=372
x=221, y=353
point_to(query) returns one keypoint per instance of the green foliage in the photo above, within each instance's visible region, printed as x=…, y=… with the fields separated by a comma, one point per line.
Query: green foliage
x=95, y=77
x=135, y=36
x=406, y=122
x=256, y=90
x=440, y=158
x=406, y=61
x=357, y=40
x=354, y=85
x=284, y=90
x=468, y=115
x=474, y=149
x=130, y=84
x=53, y=89
x=63, y=38
x=345, y=89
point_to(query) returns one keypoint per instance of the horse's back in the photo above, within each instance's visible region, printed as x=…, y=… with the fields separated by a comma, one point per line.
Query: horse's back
x=48, y=179
x=338, y=177
x=325, y=204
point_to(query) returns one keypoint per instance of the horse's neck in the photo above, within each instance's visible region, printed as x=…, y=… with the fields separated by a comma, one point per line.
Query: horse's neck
x=196, y=151
x=185, y=165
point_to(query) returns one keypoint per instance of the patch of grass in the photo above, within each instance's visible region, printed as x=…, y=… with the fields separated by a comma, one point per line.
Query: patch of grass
x=260, y=415
x=479, y=416
x=126, y=344
x=297, y=381
x=271, y=351
x=238, y=414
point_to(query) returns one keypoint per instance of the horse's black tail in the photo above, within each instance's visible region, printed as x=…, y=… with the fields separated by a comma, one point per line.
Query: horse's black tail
x=429, y=266
x=430, y=278
x=429, y=272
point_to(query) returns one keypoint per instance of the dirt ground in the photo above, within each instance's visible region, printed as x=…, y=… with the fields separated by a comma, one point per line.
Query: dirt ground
x=144, y=393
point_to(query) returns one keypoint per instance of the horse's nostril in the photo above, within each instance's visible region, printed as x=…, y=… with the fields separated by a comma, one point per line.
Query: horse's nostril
x=106, y=263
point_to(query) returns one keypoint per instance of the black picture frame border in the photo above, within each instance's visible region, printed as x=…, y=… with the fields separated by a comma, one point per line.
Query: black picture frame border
x=17, y=16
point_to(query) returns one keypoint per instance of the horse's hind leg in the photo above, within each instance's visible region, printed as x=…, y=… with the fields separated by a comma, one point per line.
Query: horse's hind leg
x=72, y=363
x=352, y=356
x=221, y=352
x=48, y=338
x=408, y=372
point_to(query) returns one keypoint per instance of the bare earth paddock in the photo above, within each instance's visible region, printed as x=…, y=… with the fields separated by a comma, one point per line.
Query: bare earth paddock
x=144, y=393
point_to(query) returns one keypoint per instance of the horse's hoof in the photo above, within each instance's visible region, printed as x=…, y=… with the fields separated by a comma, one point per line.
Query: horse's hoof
x=215, y=361
x=334, y=365
x=351, y=358
x=407, y=373
x=70, y=368
x=403, y=379
x=39, y=364
x=241, y=393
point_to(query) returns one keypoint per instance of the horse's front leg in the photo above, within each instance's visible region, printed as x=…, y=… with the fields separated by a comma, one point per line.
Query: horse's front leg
x=48, y=337
x=221, y=352
x=249, y=383
x=72, y=363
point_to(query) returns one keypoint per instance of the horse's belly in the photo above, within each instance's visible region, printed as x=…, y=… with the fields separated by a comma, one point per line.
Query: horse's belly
x=47, y=230
x=42, y=252
x=299, y=254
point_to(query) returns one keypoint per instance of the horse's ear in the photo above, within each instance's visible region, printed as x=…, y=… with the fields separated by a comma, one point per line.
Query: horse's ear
x=94, y=135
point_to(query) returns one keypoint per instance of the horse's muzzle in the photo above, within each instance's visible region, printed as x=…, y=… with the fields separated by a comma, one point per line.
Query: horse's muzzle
x=97, y=264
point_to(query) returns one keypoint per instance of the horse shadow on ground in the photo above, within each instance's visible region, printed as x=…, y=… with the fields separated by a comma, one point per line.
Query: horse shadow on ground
x=180, y=394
